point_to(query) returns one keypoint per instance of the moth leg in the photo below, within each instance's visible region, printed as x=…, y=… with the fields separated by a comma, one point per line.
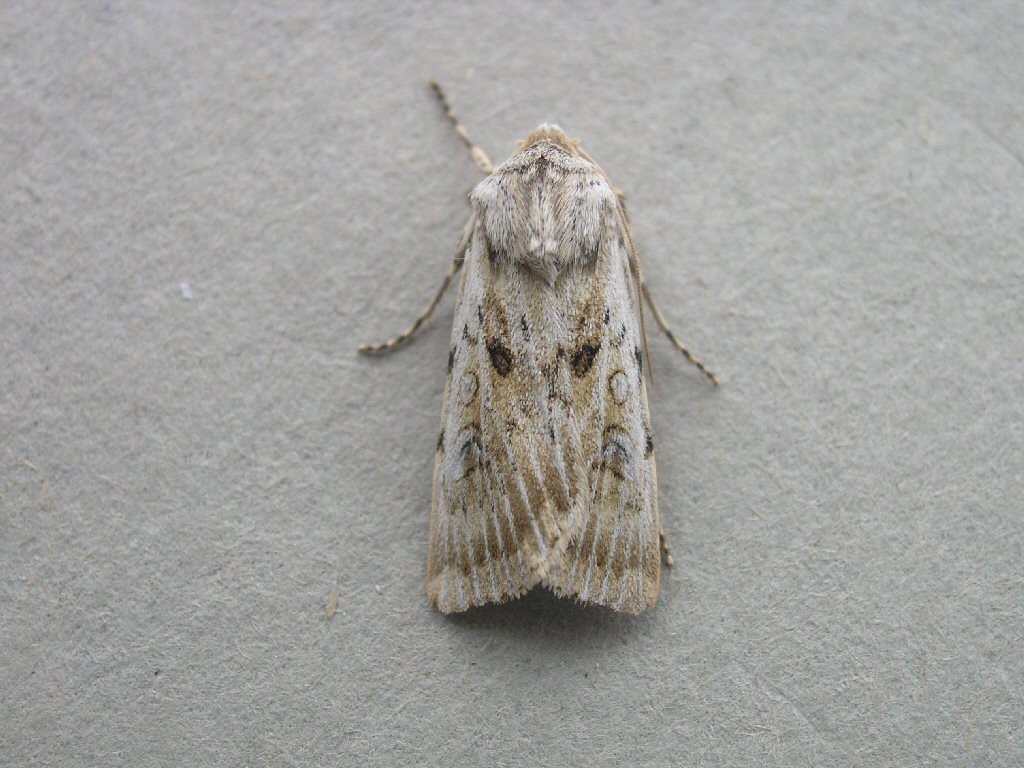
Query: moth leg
x=666, y=551
x=660, y=320
x=480, y=158
x=404, y=338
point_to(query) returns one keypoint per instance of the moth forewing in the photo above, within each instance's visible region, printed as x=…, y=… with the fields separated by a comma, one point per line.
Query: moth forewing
x=545, y=471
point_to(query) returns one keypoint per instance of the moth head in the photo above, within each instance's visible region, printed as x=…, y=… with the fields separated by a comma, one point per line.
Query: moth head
x=547, y=133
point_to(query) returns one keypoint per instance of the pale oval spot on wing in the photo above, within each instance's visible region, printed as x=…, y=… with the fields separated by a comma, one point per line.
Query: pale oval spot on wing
x=618, y=383
x=467, y=388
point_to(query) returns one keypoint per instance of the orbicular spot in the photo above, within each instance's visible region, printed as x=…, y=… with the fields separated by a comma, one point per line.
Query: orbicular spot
x=501, y=358
x=583, y=358
x=467, y=387
x=619, y=386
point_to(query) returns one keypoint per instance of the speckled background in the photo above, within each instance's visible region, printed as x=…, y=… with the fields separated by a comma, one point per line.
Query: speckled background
x=204, y=207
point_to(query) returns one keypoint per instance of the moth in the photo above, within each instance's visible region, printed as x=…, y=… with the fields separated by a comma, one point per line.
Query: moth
x=544, y=472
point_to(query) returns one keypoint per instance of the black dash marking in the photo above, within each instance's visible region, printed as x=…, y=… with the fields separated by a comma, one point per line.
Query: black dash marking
x=451, y=359
x=495, y=256
x=501, y=358
x=465, y=331
x=650, y=446
x=639, y=361
x=480, y=314
x=607, y=315
x=583, y=359
x=525, y=326
x=440, y=441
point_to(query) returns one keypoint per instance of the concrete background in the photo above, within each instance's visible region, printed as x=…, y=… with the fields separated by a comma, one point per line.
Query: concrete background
x=829, y=205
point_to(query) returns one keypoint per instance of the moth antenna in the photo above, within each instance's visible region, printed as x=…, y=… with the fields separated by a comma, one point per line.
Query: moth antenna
x=404, y=338
x=641, y=285
x=476, y=152
x=638, y=278
x=660, y=319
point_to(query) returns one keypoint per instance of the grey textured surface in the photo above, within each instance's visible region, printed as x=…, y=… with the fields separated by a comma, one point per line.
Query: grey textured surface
x=829, y=205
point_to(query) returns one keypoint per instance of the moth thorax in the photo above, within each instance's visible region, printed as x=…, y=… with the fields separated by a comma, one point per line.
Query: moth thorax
x=546, y=218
